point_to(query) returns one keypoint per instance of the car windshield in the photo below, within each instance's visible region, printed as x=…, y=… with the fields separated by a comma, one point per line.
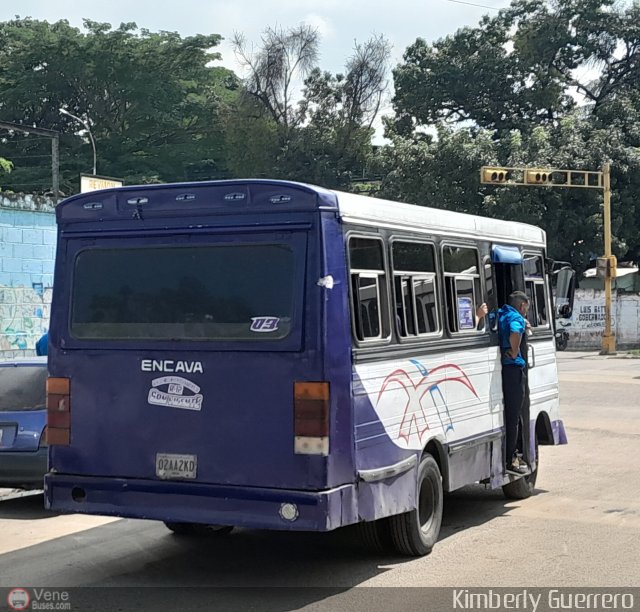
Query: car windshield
x=22, y=388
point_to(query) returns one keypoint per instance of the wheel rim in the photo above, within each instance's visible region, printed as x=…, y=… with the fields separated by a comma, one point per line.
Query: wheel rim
x=426, y=504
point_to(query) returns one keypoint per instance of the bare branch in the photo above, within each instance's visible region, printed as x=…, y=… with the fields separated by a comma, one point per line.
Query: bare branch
x=284, y=58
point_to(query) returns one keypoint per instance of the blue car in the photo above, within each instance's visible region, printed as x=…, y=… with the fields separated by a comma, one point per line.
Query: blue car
x=23, y=418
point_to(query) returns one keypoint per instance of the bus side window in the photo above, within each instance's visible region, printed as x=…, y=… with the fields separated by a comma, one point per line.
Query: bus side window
x=367, y=288
x=463, y=290
x=536, y=290
x=415, y=288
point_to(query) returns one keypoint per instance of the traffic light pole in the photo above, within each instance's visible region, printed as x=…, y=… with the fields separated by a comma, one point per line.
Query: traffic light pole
x=584, y=179
x=608, y=339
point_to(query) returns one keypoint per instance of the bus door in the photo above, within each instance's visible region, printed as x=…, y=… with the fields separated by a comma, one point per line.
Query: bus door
x=541, y=350
x=507, y=263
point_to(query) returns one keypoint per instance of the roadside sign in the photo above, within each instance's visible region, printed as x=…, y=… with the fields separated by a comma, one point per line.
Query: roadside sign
x=92, y=182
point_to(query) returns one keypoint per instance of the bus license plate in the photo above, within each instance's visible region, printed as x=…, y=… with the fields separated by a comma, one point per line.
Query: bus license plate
x=176, y=466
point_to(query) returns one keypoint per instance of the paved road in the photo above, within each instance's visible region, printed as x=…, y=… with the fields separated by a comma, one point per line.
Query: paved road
x=582, y=528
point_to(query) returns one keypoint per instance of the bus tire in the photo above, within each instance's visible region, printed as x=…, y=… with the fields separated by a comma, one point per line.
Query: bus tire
x=415, y=533
x=525, y=486
x=375, y=535
x=198, y=529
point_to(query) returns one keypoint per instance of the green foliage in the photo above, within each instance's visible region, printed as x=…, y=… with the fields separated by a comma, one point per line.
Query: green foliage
x=324, y=137
x=517, y=70
x=252, y=140
x=152, y=100
x=540, y=84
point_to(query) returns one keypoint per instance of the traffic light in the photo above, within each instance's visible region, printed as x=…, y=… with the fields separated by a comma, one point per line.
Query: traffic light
x=607, y=267
x=495, y=176
x=538, y=177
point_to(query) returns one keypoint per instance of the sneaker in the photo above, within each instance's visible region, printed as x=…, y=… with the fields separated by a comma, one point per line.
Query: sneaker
x=521, y=462
x=517, y=468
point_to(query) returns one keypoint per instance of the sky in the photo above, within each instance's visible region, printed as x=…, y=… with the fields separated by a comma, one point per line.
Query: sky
x=340, y=22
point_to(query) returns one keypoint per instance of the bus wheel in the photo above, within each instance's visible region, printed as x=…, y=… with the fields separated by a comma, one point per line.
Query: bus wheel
x=375, y=535
x=415, y=533
x=198, y=529
x=525, y=486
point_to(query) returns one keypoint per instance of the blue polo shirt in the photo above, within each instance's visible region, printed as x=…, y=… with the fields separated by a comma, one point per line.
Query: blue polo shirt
x=42, y=345
x=510, y=321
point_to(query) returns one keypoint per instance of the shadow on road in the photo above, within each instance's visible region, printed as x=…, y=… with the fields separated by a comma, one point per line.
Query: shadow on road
x=472, y=506
x=143, y=553
x=25, y=507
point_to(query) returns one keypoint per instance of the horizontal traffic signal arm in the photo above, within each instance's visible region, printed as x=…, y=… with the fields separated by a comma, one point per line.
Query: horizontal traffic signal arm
x=540, y=177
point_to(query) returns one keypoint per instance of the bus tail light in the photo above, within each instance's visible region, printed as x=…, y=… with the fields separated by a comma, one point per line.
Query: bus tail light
x=58, y=411
x=311, y=418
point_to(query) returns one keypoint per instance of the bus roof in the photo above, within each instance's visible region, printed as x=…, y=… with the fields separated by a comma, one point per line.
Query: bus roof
x=395, y=215
x=213, y=197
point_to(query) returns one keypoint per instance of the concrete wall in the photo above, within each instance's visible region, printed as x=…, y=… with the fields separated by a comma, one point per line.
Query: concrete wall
x=586, y=325
x=27, y=251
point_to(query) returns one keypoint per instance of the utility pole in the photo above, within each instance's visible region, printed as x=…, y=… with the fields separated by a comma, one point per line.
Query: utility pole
x=609, y=339
x=85, y=123
x=55, y=159
x=582, y=179
x=55, y=167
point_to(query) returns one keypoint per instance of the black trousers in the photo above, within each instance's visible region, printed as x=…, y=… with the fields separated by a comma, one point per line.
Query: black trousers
x=514, y=385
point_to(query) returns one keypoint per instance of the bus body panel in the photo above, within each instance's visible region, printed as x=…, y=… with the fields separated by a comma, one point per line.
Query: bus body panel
x=241, y=434
x=336, y=348
x=173, y=501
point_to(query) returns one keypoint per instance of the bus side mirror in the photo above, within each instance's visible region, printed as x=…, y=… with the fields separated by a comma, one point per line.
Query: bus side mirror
x=565, y=291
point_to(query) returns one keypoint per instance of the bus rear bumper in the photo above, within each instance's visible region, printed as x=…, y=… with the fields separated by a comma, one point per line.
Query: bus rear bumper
x=187, y=502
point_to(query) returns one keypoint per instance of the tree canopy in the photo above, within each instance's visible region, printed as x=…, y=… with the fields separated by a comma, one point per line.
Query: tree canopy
x=539, y=84
x=152, y=100
x=548, y=84
x=316, y=126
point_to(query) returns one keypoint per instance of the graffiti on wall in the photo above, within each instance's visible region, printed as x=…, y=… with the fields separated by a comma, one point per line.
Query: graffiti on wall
x=588, y=320
x=590, y=314
x=24, y=316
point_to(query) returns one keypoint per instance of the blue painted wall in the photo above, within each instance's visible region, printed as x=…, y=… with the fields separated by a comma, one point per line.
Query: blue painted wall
x=27, y=252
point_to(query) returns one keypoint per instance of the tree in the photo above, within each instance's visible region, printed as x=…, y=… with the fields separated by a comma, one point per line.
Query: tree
x=442, y=171
x=518, y=69
x=324, y=135
x=540, y=84
x=283, y=60
x=153, y=100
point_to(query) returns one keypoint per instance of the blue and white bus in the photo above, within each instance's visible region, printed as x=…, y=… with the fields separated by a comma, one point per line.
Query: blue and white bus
x=273, y=355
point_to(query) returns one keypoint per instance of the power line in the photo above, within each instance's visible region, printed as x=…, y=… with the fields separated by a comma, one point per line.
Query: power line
x=491, y=8
x=28, y=156
x=23, y=140
x=23, y=184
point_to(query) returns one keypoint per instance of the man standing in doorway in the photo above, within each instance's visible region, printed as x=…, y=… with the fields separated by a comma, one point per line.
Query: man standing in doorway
x=512, y=326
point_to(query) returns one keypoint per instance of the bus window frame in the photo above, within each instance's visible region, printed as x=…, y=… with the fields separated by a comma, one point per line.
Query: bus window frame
x=416, y=275
x=293, y=342
x=473, y=277
x=535, y=280
x=491, y=299
x=382, y=287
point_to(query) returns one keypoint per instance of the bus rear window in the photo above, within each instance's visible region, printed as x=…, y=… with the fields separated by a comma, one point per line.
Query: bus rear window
x=184, y=293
